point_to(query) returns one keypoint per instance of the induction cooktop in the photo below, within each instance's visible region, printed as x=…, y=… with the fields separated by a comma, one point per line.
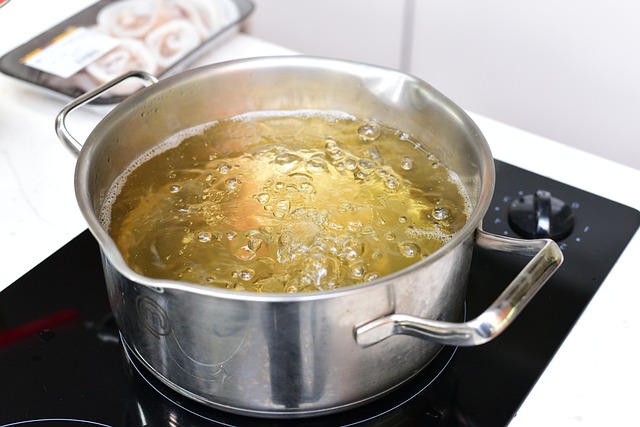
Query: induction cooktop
x=63, y=363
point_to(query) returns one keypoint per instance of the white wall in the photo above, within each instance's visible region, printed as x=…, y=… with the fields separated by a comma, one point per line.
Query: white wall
x=359, y=30
x=567, y=70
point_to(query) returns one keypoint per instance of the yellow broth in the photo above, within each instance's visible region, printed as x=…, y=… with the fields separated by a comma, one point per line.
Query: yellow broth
x=284, y=202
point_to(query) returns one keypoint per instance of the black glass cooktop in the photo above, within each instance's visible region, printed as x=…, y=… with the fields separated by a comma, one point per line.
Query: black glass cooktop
x=62, y=362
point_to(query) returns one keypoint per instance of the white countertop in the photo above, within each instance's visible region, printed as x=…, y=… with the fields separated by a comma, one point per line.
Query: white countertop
x=590, y=382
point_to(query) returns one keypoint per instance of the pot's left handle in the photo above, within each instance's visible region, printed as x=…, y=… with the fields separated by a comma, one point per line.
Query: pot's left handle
x=547, y=257
x=61, y=120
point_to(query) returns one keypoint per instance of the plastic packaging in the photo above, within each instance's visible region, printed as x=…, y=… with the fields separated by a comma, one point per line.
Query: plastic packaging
x=113, y=37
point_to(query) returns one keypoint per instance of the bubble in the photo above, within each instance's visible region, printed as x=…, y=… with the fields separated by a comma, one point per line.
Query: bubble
x=345, y=207
x=255, y=243
x=175, y=188
x=333, y=149
x=358, y=271
x=402, y=219
x=374, y=154
x=382, y=173
x=204, y=236
x=359, y=175
x=355, y=226
x=224, y=168
x=232, y=184
x=335, y=226
x=319, y=271
x=295, y=240
x=389, y=236
x=321, y=218
x=307, y=187
x=230, y=235
x=369, y=132
x=254, y=240
x=366, y=164
x=368, y=230
x=440, y=212
x=246, y=275
x=350, y=163
x=316, y=165
x=409, y=249
x=266, y=231
x=245, y=253
x=330, y=144
x=407, y=163
x=262, y=198
x=282, y=208
x=371, y=276
x=286, y=162
x=365, y=168
x=392, y=183
x=352, y=249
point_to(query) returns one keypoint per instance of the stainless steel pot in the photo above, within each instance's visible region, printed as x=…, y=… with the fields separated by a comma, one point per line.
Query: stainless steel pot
x=299, y=355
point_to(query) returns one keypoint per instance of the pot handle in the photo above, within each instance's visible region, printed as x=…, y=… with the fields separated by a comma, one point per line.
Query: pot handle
x=547, y=257
x=61, y=120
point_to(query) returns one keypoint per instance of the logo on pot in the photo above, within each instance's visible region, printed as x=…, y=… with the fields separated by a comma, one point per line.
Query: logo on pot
x=153, y=317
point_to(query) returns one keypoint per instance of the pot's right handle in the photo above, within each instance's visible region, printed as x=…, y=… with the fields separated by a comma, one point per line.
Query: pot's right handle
x=547, y=257
x=61, y=120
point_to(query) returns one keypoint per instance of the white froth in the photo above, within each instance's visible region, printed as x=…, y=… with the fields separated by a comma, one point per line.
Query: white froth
x=455, y=179
x=418, y=232
x=327, y=115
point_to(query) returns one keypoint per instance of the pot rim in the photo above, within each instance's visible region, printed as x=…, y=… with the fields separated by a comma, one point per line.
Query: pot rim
x=112, y=253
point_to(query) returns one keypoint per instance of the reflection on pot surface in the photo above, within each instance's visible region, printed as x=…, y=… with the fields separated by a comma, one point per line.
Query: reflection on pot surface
x=426, y=400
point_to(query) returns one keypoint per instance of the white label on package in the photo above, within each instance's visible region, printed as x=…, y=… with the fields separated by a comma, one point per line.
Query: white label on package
x=71, y=52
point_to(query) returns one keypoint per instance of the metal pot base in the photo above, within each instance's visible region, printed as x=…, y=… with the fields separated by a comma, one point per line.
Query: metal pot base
x=393, y=398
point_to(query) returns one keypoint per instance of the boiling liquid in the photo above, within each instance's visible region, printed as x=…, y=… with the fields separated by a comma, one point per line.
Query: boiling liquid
x=287, y=202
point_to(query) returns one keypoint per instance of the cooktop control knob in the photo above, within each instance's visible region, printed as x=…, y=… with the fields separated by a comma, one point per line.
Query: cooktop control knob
x=540, y=215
